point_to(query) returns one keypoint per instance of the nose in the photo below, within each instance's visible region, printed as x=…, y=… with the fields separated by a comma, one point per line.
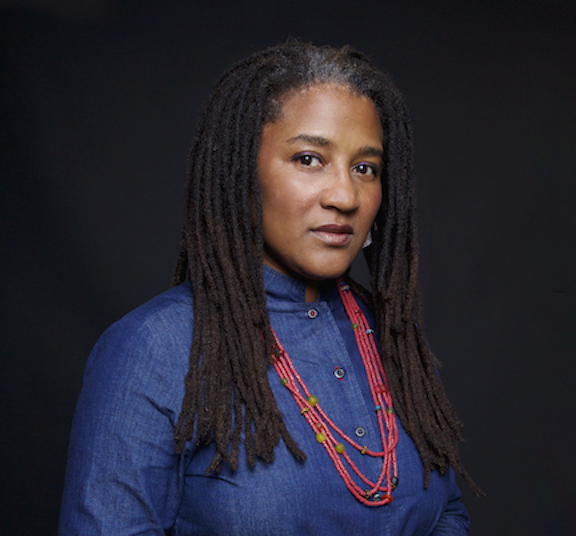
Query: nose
x=340, y=191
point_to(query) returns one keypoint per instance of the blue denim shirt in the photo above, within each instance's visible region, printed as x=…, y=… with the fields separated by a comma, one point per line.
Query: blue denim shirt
x=123, y=477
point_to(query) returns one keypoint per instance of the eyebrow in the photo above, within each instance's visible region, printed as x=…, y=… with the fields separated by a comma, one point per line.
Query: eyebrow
x=314, y=140
x=372, y=151
x=324, y=142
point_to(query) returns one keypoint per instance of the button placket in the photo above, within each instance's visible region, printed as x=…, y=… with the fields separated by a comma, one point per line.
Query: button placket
x=356, y=424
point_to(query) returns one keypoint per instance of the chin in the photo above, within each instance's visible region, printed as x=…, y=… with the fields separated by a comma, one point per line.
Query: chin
x=322, y=274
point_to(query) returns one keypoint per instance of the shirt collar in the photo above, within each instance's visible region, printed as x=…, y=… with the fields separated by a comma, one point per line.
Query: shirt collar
x=285, y=288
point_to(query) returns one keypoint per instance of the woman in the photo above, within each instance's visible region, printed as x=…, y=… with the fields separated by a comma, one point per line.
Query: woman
x=268, y=393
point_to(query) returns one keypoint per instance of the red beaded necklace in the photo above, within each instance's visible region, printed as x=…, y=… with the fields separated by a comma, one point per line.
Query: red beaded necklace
x=379, y=492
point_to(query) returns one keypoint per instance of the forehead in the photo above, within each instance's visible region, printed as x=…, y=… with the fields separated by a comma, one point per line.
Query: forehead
x=326, y=109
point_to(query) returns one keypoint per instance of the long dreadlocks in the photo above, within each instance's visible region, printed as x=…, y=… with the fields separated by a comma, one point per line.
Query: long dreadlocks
x=227, y=388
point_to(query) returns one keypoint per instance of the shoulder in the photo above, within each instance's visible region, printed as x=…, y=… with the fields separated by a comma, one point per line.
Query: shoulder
x=122, y=469
x=165, y=316
x=151, y=342
x=173, y=303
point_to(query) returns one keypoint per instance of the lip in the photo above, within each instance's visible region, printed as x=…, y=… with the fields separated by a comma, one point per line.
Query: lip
x=334, y=234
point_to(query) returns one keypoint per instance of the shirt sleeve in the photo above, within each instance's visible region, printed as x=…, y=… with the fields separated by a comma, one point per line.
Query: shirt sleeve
x=123, y=477
x=454, y=520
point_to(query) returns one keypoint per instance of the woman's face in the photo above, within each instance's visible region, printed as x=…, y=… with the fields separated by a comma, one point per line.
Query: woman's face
x=319, y=168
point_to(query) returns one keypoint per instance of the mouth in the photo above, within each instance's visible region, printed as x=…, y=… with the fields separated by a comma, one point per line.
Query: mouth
x=334, y=234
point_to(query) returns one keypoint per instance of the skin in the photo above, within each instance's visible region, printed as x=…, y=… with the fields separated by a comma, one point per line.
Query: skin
x=319, y=168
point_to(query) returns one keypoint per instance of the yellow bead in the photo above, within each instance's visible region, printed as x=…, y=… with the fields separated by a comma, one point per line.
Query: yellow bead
x=312, y=400
x=339, y=448
x=284, y=381
x=354, y=326
x=390, y=411
x=304, y=410
x=320, y=437
x=363, y=451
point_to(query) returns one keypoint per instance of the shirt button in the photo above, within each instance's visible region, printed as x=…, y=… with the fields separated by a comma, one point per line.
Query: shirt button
x=312, y=313
x=339, y=373
x=360, y=432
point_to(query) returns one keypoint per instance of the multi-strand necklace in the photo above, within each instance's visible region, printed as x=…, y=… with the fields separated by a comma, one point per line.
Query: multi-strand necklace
x=372, y=493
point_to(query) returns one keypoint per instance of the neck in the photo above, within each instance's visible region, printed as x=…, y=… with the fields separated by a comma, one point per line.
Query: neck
x=311, y=292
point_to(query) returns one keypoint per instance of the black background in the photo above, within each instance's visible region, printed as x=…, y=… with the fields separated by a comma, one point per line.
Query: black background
x=98, y=103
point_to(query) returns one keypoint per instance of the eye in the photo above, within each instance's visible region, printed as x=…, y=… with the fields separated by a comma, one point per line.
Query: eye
x=363, y=168
x=308, y=160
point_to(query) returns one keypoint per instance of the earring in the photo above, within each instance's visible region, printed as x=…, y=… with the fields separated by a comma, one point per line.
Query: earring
x=368, y=240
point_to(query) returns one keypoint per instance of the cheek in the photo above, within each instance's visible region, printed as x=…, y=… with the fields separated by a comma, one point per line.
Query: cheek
x=373, y=203
x=278, y=212
x=287, y=199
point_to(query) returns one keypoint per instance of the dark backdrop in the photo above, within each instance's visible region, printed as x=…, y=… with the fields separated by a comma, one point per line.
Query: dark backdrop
x=98, y=103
